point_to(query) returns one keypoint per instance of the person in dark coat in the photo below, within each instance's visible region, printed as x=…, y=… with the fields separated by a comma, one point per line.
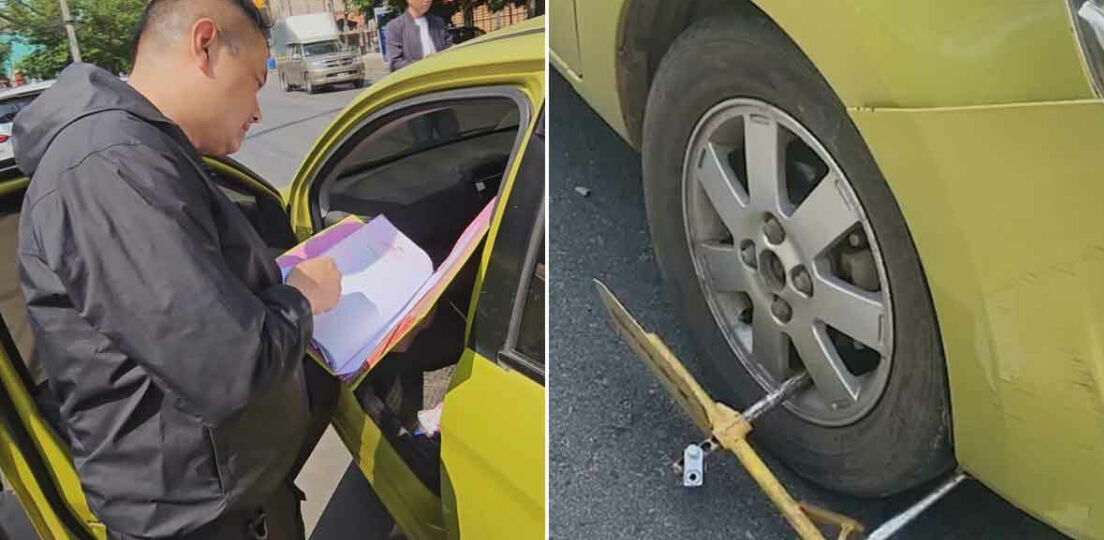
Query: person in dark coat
x=174, y=348
x=414, y=35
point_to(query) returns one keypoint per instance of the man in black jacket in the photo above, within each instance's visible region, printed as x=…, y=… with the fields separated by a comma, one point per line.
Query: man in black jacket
x=174, y=350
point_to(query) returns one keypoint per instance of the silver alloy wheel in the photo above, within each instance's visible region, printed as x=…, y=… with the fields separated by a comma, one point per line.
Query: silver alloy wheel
x=787, y=260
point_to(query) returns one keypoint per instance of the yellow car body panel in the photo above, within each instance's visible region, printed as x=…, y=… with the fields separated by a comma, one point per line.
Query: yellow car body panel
x=1012, y=243
x=498, y=487
x=983, y=120
x=415, y=508
x=18, y=472
x=591, y=63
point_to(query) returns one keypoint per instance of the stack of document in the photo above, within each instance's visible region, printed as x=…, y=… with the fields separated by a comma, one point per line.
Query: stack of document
x=388, y=284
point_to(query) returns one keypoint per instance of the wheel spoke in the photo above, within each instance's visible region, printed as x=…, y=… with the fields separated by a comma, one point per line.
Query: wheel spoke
x=722, y=262
x=829, y=374
x=770, y=346
x=822, y=218
x=764, y=164
x=721, y=187
x=857, y=313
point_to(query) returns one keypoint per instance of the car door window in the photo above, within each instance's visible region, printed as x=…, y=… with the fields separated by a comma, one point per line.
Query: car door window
x=11, y=107
x=429, y=165
x=509, y=318
x=530, y=333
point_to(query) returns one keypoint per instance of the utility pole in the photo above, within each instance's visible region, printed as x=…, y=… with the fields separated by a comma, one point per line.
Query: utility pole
x=74, y=49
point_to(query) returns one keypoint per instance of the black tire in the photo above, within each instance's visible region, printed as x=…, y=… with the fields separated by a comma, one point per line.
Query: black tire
x=284, y=84
x=359, y=83
x=905, y=439
x=310, y=88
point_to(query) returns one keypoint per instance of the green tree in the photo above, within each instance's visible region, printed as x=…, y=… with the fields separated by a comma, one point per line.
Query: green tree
x=105, y=31
x=5, y=56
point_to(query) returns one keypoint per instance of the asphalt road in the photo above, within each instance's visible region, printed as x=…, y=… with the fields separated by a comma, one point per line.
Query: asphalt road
x=614, y=433
x=290, y=123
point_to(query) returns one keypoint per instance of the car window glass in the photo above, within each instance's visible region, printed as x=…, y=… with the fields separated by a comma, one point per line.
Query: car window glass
x=530, y=338
x=319, y=49
x=444, y=160
x=9, y=108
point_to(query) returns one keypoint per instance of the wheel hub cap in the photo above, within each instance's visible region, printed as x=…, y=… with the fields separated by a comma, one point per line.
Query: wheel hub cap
x=787, y=260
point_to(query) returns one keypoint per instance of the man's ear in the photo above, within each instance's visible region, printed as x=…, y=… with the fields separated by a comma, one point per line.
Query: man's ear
x=203, y=44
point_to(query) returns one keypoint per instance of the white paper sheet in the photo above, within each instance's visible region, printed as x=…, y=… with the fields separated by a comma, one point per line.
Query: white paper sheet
x=381, y=271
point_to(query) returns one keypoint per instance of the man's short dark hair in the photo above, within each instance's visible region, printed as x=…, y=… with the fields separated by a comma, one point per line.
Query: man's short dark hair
x=157, y=11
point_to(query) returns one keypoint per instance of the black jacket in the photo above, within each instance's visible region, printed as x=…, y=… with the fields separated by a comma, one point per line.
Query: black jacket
x=171, y=344
x=404, y=40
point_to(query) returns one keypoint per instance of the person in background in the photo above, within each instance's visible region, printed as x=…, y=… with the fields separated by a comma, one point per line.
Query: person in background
x=414, y=35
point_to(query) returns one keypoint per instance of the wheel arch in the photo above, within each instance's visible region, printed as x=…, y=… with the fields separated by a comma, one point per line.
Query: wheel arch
x=647, y=29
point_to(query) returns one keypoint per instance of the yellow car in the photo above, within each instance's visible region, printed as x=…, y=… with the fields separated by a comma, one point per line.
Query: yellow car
x=485, y=477
x=901, y=199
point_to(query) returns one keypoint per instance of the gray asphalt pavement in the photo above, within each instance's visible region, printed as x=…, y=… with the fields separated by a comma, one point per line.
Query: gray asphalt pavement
x=290, y=123
x=613, y=432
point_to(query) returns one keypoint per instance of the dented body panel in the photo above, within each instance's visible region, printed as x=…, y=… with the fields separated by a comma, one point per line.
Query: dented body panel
x=1003, y=204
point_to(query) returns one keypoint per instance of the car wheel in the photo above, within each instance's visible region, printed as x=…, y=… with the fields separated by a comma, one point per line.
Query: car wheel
x=284, y=84
x=310, y=85
x=777, y=235
x=359, y=83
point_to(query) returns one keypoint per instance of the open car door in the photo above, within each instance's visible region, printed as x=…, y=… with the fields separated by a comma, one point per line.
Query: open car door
x=429, y=147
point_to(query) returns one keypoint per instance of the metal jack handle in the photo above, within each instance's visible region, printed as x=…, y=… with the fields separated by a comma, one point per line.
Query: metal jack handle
x=775, y=397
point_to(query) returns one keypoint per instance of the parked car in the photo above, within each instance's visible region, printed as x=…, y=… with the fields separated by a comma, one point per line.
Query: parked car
x=484, y=475
x=899, y=198
x=460, y=34
x=310, y=54
x=11, y=102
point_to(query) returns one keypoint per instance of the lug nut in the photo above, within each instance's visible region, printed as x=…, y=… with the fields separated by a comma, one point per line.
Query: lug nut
x=856, y=240
x=803, y=282
x=773, y=229
x=781, y=310
x=747, y=254
x=745, y=316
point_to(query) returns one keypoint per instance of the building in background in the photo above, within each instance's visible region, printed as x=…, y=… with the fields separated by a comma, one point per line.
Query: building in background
x=361, y=34
x=488, y=21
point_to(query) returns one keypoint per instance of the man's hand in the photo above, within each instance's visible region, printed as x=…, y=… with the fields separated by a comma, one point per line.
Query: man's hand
x=318, y=280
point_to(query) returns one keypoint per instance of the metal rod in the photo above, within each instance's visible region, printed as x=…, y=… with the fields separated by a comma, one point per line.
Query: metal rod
x=784, y=391
x=899, y=521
